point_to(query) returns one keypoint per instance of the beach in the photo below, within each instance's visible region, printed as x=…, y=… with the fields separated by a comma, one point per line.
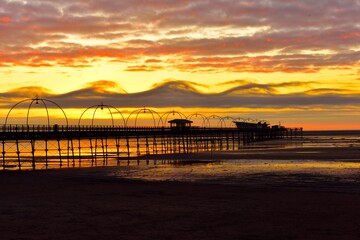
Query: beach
x=295, y=201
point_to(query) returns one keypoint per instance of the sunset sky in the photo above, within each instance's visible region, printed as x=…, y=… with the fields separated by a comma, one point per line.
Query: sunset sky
x=294, y=62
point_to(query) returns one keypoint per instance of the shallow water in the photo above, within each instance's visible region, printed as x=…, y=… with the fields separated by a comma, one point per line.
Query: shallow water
x=233, y=171
x=295, y=161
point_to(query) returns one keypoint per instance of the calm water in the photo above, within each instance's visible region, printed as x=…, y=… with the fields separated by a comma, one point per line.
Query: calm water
x=239, y=169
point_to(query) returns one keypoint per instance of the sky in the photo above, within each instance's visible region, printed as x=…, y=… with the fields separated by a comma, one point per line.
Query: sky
x=291, y=62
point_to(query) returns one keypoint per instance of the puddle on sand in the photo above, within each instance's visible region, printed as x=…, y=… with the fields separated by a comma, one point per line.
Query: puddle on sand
x=236, y=171
x=312, y=163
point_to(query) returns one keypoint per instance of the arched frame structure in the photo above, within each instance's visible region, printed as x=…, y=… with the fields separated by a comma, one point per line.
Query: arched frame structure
x=36, y=100
x=220, y=121
x=227, y=118
x=101, y=107
x=137, y=112
x=203, y=117
x=158, y=120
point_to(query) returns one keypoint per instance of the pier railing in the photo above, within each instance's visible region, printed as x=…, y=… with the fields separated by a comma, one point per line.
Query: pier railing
x=70, y=128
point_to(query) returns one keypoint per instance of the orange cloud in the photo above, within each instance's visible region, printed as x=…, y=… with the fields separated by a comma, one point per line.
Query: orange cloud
x=105, y=86
x=143, y=68
x=193, y=36
x=5, y=20
x=30, y=92
x=351, y=35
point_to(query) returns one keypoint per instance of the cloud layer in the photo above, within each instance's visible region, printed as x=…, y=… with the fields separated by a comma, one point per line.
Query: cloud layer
x=176, y=93
x=190, y=36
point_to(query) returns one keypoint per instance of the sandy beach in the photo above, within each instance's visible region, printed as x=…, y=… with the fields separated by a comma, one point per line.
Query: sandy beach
x=93, y=203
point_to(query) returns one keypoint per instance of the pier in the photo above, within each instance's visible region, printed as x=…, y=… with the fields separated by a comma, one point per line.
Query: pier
x=31, y=147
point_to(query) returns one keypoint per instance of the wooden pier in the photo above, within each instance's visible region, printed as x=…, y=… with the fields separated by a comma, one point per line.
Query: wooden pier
x=42, y=147
x=34, y=147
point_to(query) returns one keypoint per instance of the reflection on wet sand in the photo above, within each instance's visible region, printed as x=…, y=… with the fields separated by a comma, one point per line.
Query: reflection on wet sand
x=289, y=190
x=303, y=161
x=234, y=171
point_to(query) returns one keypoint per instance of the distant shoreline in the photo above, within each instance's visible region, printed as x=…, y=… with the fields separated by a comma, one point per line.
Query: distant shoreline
x=330, y=132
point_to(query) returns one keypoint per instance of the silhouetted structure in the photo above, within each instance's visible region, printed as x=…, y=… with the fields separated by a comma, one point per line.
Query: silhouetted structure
x=180, y=124
x=250, y=125
x=55, y=146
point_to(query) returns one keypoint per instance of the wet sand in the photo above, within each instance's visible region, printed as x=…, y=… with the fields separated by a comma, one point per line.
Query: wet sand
x=89, y=204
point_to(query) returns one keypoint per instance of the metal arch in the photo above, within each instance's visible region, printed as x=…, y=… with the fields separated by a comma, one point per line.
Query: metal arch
x=62, y=110
x=83, y=114
x=138, y=111
x=93, y=116
x=152, y=114
x=101, y=106
x=47, y=111
x=36, y=100
x=128, y=118
x=28, y=112
x=182, y=116
x=198, y=114
x=29, y=108
x=122, y=116
x=7, y=116
x=218, y=117
x=227, y=117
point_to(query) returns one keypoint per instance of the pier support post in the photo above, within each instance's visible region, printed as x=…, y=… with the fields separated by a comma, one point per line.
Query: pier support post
x=92, y=152
x=3, y=154
x=117, y=142
x=72, y=152
x=59, y=151
x=128, y=145
x=46, y=154
x=155, y=150
x=95, y=151
x=79, y=147
x=18, y=153
x=147, y=145
x=104, y=151
x=32, y=142
x=137, y=145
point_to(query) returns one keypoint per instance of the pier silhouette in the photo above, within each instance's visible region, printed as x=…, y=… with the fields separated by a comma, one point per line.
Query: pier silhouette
x=36, y=146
